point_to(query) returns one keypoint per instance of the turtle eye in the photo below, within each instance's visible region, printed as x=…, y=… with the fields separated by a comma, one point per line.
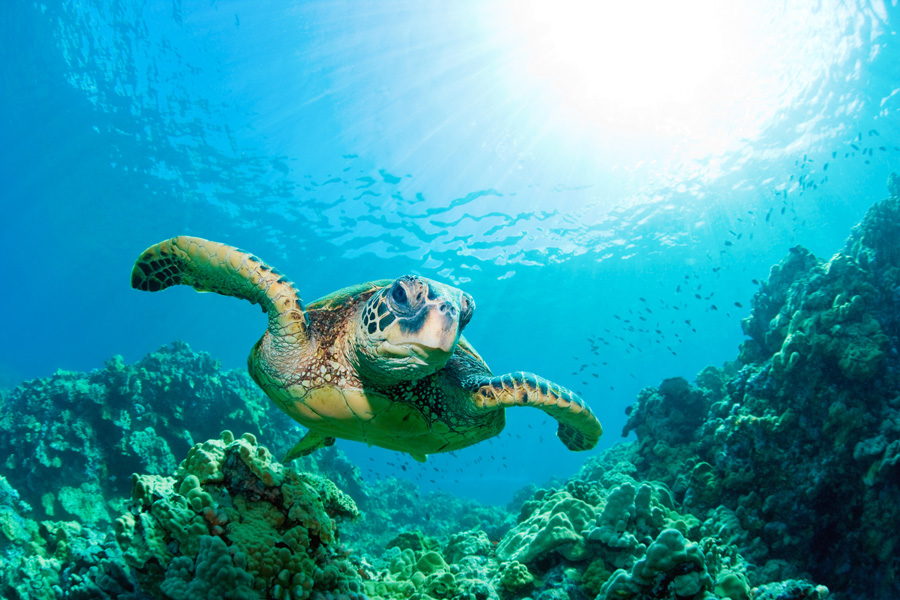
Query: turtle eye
x=399, y=294
x=467, y=307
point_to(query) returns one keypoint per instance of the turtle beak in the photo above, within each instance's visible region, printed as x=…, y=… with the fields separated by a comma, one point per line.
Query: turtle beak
x=441, y=328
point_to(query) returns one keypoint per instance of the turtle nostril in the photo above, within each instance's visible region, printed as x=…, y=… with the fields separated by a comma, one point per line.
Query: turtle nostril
x=446, y=307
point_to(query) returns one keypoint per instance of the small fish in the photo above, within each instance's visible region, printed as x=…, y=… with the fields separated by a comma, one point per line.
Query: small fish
x=739, y=305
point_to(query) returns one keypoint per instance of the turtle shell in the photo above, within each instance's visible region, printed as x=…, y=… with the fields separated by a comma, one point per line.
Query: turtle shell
x=320, y=388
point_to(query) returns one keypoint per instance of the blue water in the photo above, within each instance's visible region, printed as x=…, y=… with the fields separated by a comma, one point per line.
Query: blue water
x=345, y=142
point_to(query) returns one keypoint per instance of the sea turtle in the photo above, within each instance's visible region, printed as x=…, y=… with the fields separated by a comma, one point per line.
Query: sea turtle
x=382, y=362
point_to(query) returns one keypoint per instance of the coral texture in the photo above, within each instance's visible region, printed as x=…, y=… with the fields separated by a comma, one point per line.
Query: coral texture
x=88, y=432
x=796, y=457
x=231, y=523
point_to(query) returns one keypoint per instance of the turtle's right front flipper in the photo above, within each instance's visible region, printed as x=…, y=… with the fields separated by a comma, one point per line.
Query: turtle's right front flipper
x=214, y=267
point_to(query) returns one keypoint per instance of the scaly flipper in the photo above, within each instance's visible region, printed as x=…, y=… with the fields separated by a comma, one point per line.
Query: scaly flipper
x=308, y=444
x=578, y=429
x=214, y=267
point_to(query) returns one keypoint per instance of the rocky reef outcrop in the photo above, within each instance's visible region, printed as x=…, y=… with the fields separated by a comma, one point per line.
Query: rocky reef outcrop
x=228, y=523
x=799, y=440
x=71, y=441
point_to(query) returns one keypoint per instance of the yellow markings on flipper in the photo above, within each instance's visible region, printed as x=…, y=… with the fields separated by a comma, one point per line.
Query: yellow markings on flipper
x=238, y=262
x=214, y=267
x=579, y=428
x=222, y=253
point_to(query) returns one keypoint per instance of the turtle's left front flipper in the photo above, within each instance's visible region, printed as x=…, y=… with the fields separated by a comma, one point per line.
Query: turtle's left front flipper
x=578, y=429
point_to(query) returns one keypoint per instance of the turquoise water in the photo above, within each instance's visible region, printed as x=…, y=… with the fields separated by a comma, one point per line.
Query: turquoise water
x=607, y=246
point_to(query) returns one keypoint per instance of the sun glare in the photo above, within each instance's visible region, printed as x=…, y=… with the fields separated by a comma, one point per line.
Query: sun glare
x=625, y=55
x=692, y=78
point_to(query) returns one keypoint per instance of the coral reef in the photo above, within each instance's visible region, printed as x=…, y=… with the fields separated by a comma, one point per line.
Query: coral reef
x=769, y=478
x=88, y=432
x=240, y=525
x=231, y=523
x=613, y=536
x=391, y=506
x=795, y=460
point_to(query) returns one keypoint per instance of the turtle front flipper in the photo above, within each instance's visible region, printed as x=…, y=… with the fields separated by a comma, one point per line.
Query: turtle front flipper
x=214, y=267
x=578, y=429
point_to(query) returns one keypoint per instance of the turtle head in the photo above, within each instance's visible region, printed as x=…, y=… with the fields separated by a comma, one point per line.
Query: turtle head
x=409, y=329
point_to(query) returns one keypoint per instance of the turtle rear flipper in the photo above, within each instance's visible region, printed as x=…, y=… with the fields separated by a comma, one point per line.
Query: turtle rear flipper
x=578, y=429
x=308, y=444
x=214, y=267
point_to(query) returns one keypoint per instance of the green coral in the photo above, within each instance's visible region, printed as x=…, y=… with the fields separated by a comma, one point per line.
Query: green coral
x=514, y=576
x=557, y=527
x=424, y=573
x=91, y=431
x=468, y=543
x=240, y=515
x=810, y=416
x=672, y=568
x=214, y=573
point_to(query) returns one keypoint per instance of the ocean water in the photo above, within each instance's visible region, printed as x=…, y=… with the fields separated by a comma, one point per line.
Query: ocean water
x=610, y=186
